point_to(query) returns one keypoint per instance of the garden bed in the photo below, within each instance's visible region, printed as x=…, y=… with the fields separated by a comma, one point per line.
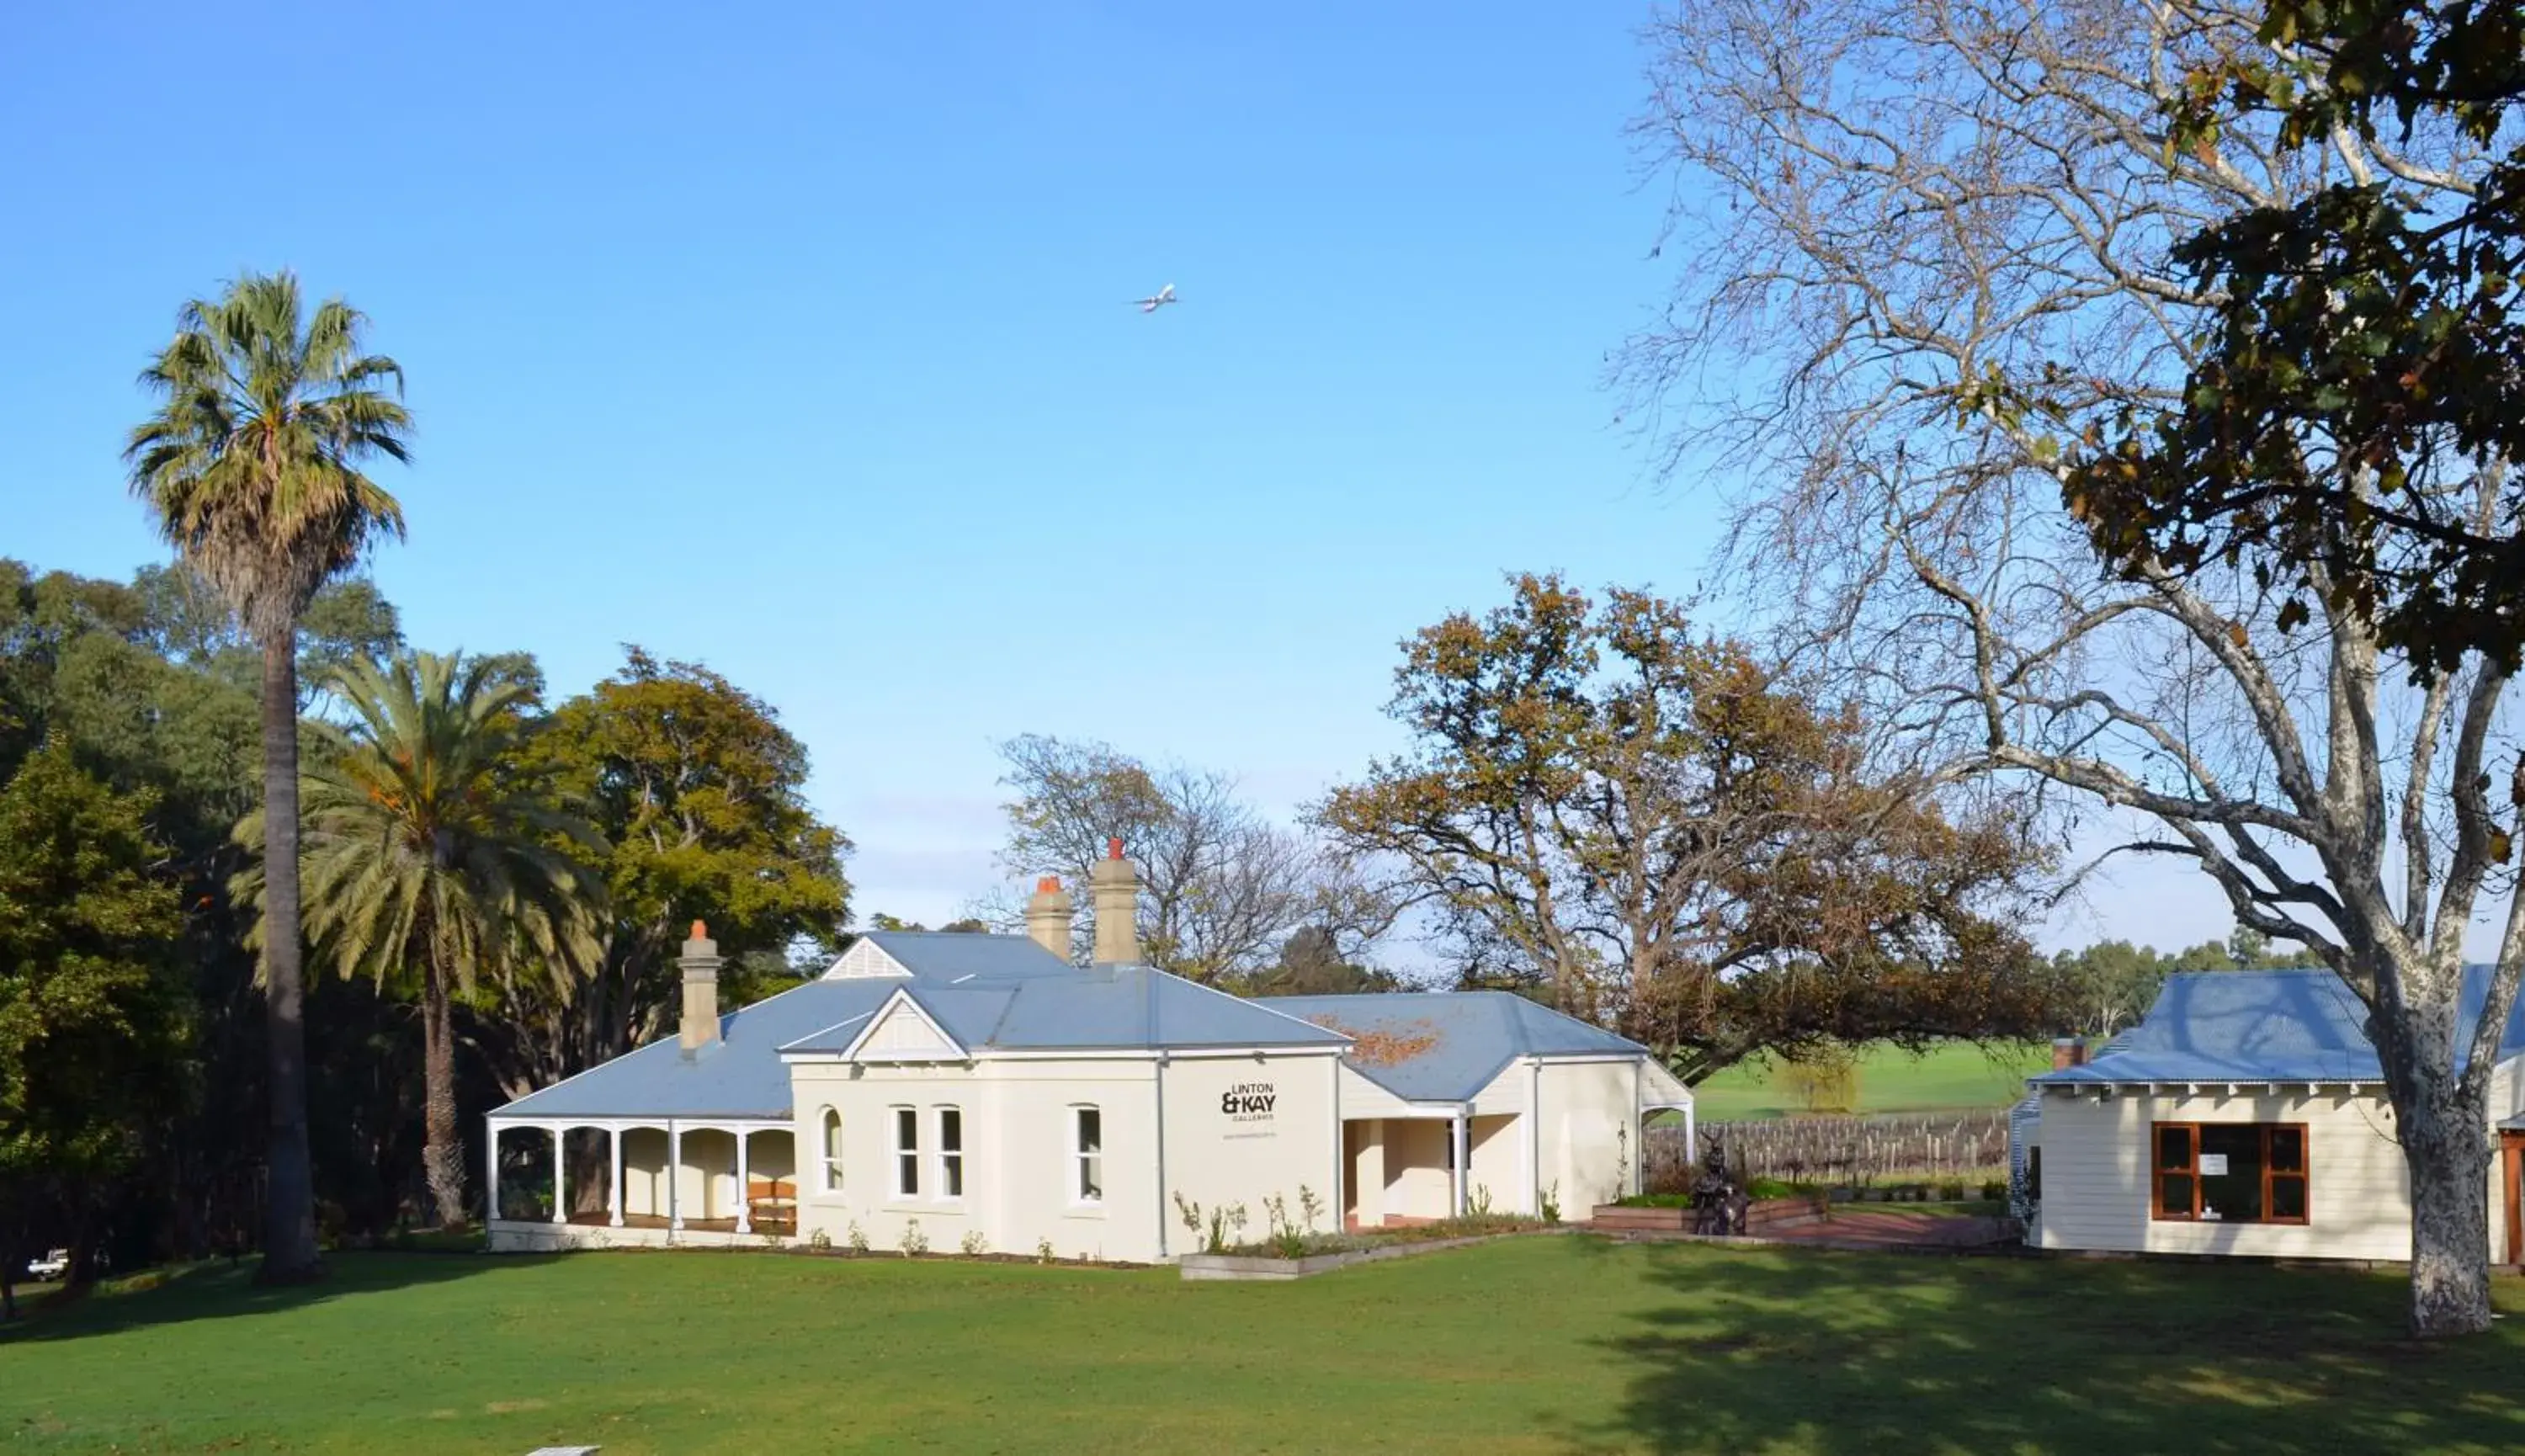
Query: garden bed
x=1248, y=1267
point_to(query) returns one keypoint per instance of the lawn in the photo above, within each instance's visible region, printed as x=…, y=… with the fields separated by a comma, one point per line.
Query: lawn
x=1542, y=1344
x=1948, y=1077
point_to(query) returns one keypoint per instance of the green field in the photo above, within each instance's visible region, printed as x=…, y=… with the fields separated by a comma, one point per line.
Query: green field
x=1955, y=1075
x=1539, y=1344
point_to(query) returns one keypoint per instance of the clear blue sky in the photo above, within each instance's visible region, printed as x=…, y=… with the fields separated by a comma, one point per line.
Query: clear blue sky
x=793, y=339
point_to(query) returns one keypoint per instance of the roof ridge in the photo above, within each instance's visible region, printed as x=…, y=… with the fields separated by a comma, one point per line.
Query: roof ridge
x=1254, y=1002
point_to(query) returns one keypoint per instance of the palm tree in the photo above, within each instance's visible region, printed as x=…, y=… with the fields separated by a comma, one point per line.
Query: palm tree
x=432, y=852
x=251, y=465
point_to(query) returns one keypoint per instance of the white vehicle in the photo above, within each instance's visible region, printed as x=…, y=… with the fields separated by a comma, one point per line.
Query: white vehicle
x=50, y=1267
x=1157, y=300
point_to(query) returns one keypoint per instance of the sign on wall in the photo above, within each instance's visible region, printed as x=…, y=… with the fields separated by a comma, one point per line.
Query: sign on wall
x=1249, y=1102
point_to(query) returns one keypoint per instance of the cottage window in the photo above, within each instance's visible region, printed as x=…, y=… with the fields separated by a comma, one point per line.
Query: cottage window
x=906, y=1153
x=2230, y=1173
x=1089, y=1146
x=832, y=1151
x=951, y=1152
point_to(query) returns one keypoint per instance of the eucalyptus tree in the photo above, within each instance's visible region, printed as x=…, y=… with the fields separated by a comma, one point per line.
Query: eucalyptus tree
x=253, y=465
x=1934, y=268
x=434, y=851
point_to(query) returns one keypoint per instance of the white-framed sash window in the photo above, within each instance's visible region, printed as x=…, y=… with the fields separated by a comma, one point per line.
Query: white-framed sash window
x=906, y=1152
x=951, y=1153
x=1087, y=1155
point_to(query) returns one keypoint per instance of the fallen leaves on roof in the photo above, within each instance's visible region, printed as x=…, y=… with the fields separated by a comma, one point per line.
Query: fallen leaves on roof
x=1386, y=1046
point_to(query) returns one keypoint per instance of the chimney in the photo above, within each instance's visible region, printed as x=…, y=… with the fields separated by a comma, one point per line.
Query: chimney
x=1048, y=915
x=1117, y=889
x=700, y=961
x=2068, y=1052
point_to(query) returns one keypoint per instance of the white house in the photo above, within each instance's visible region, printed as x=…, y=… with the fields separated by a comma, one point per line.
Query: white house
x=956, y=1088
x=2247, y=1114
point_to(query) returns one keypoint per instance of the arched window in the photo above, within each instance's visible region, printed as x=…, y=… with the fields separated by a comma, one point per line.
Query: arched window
x=832, y=1151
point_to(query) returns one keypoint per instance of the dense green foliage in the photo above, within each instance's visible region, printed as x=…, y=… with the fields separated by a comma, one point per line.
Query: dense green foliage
x=91, y=1038
x=1657, y=827
x=150, y=690
x=1543, y=1344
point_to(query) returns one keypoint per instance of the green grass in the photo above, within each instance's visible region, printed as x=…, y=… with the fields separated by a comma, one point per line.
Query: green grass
x=1552, y=1344
x=1947, y=1078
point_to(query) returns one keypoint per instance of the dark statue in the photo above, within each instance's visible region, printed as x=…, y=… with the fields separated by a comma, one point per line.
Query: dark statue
x=1718, y=1206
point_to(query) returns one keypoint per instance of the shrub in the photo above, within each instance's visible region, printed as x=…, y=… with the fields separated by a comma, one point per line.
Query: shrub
x=820, y=1241
x=973, y=1244
x=913, y=1241
x=1043, y=1252
x=1994, y=1191
x=1824, y=1079
x=1550, y=1200
x=856, y=1237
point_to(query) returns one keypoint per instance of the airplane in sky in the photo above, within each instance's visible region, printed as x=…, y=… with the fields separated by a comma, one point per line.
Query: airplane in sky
x=1157, y=300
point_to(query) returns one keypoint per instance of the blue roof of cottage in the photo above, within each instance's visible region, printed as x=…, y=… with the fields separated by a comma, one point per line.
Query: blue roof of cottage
x=1109, y=1008
x=739, y=1075
x=2259, y=1026
x=1445, y=1046
x=990, y=992
x=952, y=955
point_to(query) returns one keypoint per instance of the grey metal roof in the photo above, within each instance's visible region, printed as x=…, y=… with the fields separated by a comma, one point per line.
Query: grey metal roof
x=951, y=955
x=1445, y=1046
x=2258, y=1025
x=740, y=1076
x=1110, y=1008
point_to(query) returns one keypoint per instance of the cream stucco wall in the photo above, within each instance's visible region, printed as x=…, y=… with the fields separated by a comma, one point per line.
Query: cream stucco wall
x=1019, y=1165
x=1589, y=1131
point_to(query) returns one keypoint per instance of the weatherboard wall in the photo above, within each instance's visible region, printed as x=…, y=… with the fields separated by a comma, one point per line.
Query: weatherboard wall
x=2098, y=1181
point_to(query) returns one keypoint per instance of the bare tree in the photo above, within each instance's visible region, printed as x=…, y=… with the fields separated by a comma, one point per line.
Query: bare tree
x=1222, y=887
x=1929, y=247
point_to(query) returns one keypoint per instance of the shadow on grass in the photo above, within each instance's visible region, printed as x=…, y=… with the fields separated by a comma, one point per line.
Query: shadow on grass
x=1835, y=1353
x=218, y=1289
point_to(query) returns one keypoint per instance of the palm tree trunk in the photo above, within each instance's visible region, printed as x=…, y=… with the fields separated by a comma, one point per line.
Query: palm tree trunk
x=289, y=1253
x=442, y=1156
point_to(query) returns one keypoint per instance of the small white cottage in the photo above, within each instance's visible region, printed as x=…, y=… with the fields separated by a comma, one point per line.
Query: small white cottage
x=982, y=1091
x=2244, y=1115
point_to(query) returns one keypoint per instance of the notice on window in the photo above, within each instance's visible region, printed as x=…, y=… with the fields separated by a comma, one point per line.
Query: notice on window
x=2213, y=1165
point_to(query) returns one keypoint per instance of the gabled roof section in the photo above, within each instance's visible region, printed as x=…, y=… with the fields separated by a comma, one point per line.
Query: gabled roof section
x=739, y=1076
x=903, y=1030
x=1445, y=1046
x=1120, y=1008
x=946, y=956
x=2259, y=1026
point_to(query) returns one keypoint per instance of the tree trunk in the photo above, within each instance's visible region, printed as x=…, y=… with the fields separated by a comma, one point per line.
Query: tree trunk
x=289, y=1254
x=2445, y=1147
x=442, y=1154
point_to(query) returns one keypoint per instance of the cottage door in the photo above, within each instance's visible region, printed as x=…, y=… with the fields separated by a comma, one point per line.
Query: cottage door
x=2511, y=1169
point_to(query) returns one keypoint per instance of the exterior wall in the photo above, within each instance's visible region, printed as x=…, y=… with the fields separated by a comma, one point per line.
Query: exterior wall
x=1416, y=1181
x=644, y=1171
x=705, y=1184
x=1225, y=1147
x=1019, y=1164
x=1589, y=1131
x=771, y=1155
x=1497, y=1163
x=1363, y=1179
x=2097, y=1176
